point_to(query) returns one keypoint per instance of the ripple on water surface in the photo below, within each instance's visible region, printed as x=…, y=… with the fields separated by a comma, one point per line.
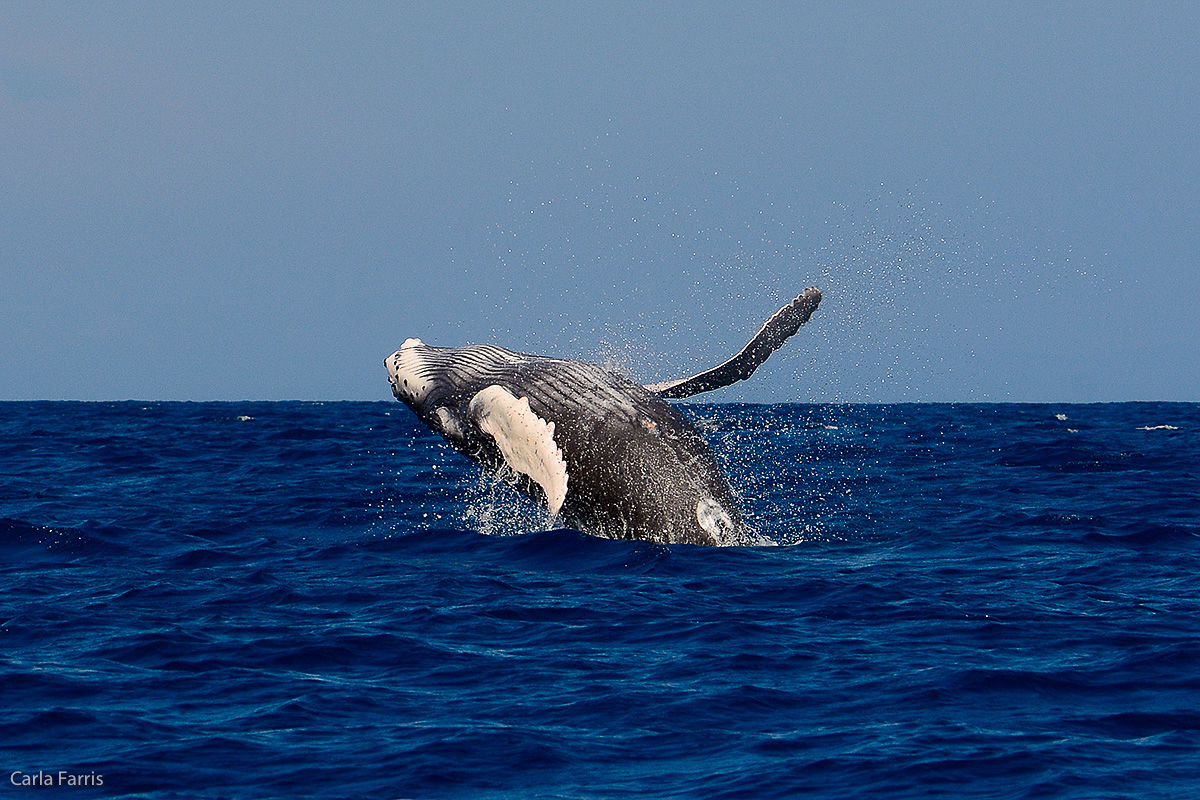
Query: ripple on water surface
x=301, y=599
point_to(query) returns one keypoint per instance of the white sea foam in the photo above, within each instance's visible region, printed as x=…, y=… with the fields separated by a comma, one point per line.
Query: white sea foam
x=496, y=508
x=1158, y=428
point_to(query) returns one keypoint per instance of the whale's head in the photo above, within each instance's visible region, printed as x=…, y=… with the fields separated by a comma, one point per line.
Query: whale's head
x=437, y=383
x=423, y=376
x=411, y=373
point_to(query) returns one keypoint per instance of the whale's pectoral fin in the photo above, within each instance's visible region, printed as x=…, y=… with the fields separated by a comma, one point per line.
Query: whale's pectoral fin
x=525, y=440
x=775, y=331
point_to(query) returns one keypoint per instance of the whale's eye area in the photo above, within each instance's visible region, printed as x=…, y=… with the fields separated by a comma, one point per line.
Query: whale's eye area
x=451, y=428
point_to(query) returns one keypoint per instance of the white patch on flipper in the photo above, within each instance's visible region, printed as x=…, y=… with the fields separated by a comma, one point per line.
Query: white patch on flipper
x=714, y=519
x=525, y=440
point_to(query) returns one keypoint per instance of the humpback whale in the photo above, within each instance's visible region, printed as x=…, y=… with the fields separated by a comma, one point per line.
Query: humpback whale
x=600, y=452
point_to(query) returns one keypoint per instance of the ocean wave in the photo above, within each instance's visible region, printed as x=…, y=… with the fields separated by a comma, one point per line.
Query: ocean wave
x=323, y=601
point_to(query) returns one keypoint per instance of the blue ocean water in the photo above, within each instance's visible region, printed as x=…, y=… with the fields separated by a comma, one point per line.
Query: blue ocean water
x=319, y=600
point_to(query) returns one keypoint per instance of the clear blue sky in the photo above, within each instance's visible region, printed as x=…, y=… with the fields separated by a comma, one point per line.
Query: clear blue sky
x=228, y=201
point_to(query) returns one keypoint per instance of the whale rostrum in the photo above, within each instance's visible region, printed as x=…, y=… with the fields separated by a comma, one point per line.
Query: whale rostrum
x=600, y=452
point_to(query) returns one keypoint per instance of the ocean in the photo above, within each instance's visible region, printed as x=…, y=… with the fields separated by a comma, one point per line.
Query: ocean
x=221, y=600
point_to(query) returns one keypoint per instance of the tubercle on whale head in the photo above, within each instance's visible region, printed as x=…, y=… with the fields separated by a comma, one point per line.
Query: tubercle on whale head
x=409, y=383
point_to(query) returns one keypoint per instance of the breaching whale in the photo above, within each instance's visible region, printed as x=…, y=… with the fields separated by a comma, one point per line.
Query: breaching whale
x=603, y=454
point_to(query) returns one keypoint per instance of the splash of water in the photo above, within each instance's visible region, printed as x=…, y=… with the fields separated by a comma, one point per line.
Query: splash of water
x=494, y=507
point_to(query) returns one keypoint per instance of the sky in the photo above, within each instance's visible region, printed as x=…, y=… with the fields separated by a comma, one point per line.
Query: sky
x=999, y=201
